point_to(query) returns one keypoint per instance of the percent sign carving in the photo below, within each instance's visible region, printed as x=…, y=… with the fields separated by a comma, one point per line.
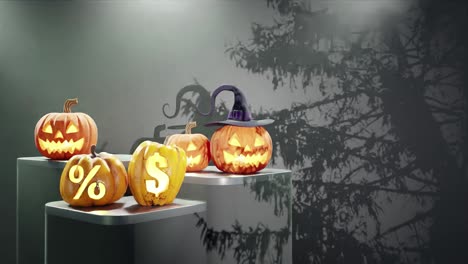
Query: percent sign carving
x=98, y=185
x=156, y=172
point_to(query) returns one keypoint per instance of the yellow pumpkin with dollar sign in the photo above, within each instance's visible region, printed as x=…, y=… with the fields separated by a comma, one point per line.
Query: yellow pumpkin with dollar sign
x=156, y=172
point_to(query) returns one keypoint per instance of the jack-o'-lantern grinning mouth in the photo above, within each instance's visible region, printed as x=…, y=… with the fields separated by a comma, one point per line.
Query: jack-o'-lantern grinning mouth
x=61, y=146
x=238, y=159
x=193, y=161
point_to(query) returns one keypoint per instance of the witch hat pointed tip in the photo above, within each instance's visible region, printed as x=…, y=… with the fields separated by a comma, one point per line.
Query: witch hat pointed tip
x=240, y=114
x=239, y=109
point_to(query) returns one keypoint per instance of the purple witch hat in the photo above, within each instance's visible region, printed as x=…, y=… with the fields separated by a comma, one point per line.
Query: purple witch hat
x=239, y=115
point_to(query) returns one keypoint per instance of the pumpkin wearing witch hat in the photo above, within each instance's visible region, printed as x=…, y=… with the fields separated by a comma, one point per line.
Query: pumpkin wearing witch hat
x=241, y=145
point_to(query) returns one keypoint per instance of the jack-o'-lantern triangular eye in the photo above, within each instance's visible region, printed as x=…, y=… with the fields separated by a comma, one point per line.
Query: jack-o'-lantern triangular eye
x=71, y=128
x=191, y=147
x=259, y=141
x=47, y=129
x=234, y=141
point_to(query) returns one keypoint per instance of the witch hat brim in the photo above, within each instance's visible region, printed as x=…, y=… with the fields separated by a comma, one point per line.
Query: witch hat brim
x=251, y=123
x=240, y=114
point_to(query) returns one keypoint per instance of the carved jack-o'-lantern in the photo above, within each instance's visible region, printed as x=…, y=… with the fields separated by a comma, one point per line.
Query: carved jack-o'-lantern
x=196, y=147
x=241, y=150
x=93, y=180
x=59, y=136
x=242, y=145
x=156, y=173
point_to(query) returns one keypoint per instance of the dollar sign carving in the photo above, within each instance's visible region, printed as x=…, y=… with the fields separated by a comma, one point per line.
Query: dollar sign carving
x=153, y=165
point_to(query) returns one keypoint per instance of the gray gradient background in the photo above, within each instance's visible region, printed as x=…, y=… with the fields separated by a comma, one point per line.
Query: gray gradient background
x=124, y=60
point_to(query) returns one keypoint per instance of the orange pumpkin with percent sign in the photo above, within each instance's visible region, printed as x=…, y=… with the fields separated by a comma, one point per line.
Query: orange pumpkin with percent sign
x=196, y=147
x=156, y=173
x=59, y=136
x=93, y=180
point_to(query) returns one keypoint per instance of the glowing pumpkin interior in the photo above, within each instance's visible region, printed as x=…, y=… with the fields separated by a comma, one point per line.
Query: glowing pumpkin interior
x=156, y=166
x=240, y=154
x=53, y=140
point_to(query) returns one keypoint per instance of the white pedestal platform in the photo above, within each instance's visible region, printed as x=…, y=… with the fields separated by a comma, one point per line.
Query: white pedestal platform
x=123, y=232
x=247, y=201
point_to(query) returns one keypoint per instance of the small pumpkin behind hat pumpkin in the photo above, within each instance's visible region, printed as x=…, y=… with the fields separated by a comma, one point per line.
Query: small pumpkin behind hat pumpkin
x=59, y=136
x=196, y=147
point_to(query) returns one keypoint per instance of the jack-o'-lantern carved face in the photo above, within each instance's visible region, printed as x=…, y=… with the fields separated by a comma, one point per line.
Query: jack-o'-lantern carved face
x=63, y=135
x=195, y=157
x=241, y=150
x=196, y=147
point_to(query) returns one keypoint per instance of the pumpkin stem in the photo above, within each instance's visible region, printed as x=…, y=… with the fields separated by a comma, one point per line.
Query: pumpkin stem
x=68, y=104
x=93, y=151
x=189, y=126
x=97, y=184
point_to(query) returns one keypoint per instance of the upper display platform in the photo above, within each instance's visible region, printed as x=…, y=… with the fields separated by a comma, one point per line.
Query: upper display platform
x=212, y=176
x=209, y=176
x=43, y=161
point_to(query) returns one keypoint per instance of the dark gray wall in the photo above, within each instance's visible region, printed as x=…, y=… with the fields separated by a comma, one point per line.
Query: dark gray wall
x=123, y=60
x=376, y=136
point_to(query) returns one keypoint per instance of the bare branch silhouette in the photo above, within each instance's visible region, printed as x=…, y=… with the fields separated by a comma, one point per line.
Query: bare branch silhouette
x=375, y=136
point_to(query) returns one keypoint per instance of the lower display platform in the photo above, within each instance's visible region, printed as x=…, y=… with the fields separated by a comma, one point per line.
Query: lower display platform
x=123, y=232
x=37, y=180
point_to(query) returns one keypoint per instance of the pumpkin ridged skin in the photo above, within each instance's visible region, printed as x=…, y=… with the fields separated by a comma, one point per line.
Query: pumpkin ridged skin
x=59, y=122
x=246, y=136
x=203, y=148
x=199, y=141
x=138, y=174
x=112, y=174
